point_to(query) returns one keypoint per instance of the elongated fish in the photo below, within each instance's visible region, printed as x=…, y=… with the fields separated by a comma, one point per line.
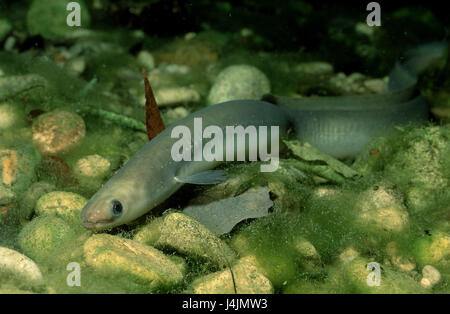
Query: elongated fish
x=339, y=126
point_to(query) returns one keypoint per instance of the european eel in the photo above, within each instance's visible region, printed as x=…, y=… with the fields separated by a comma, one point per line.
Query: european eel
x=340, y=126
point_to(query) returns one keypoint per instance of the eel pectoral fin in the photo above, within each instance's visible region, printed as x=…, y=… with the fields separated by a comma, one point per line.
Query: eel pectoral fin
x=204, y=177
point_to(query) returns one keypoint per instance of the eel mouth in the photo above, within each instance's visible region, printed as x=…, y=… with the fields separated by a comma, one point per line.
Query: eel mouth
x=97, y=225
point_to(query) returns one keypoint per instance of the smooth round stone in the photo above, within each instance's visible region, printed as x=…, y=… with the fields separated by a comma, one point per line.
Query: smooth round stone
x=58, y=132
x=92, y=166
x=246, y=278
x=41, y=238
x=19, y=266
x=188, y=236
x=431, y=276
x=239, y=82
x=146, y=60
x=66, y=205
x=114, y=256
x=176, y=95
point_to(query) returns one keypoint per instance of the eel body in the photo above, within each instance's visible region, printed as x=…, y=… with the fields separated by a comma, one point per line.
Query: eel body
x=339, y=126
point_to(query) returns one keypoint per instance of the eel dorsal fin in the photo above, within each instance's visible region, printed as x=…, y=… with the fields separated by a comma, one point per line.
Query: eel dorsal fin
x=153, y=120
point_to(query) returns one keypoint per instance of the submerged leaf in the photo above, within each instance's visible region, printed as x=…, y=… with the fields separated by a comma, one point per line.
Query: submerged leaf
x=221, y=216
x=320, y=163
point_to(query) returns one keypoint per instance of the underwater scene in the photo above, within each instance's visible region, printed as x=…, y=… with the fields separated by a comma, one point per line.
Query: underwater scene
x=224, y=147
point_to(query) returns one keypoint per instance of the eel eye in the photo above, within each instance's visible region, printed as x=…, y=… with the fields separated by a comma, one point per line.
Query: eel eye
x=116, y=208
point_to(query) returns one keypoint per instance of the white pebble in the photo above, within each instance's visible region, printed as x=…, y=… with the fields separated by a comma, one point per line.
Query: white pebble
x=431, y=276
x=21, y=266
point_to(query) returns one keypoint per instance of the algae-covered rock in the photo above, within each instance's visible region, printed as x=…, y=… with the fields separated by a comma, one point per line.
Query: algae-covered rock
x=433, y=250
x=188, y=236
x=348, y=255
x=150, y=233
x=169, y=96
x=65, y=205
x=75, y=66
x=431, y=276
x=399, y=260
x=239, y=82
x=91, y=170
x=381, y=209
x=114, y=256
x=174, y=114
x=19, y=267
x=41, y=238
x=58, y=132
x=423, y=160
x=17, y=167
x=9, y=116
x=308, y=257
x=11, y=85
x=276, y=259
x=48, y=18
x=353, y=277
x=391, y=219
x=243, y=278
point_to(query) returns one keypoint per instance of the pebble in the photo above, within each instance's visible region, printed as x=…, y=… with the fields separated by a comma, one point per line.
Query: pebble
x=187, y=236
x=174, y=114
x=150, y=233
x=431, y=276
x=314, y=68
x=113, y=256
x=13, y=84
x=391, y=219
x=434, y=250
x=92, y=166
x=20, y=266
x=378, y=86
x=307, y=254
x=403, y=263
x=348, y=255
x=146, y=60
x=169, y=96
x=9, y=163
x=58, y=132
x=8, y=116
x=76, y=65
x=41, y=238
x=247, y=280
x=65, y=205
x=17, y=167
x=239, y=82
